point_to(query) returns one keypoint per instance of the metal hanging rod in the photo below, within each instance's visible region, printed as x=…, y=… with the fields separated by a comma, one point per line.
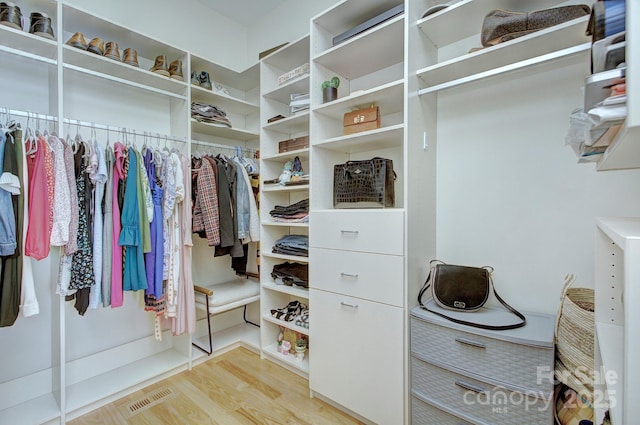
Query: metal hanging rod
x=86, y=124
x=222, y=146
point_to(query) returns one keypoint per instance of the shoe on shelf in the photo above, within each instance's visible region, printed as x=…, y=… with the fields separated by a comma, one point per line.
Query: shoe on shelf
x=205, y=80
x=96, y=45
x=175, y=70
x=78, y=41
x=130, y=57
x=10, y=15
x=40, y=24
x=112, y=51
x=160, y=66
x=194, y=78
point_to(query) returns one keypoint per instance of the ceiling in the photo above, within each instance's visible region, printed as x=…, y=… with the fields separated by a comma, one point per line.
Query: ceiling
x=245, y=12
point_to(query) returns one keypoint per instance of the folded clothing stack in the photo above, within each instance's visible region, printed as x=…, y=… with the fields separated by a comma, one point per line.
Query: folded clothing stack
x=203, y=112
x=291, y=274
x=295, y=310
x=294, y=213
x=292, y=245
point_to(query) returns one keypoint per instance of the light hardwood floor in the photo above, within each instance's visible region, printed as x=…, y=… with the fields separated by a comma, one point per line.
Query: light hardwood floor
x=235, y=388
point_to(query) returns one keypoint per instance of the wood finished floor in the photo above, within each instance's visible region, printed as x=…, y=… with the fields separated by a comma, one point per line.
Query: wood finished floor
x=235, y=388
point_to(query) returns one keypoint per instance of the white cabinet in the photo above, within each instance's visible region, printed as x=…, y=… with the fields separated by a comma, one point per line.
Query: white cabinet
x=274, y=100
x=617, y=275
x=360, y=360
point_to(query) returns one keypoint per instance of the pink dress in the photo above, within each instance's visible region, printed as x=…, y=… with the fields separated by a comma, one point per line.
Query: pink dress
x=39, y=230
x=120, y=152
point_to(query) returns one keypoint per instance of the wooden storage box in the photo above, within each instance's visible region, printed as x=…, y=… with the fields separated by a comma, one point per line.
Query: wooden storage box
x=293, y=144
x=361, y=120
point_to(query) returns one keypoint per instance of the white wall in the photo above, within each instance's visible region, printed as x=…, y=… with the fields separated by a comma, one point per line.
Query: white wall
x=284, y=24
x=185, y=24
x=510, y=194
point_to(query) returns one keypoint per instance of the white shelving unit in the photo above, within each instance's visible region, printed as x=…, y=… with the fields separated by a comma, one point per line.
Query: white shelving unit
x=617, y=273
x=275, y=100
x=62, y=370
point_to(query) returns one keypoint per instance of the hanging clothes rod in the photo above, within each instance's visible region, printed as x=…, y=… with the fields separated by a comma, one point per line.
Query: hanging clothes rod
x=222, y=146
x=108, y=128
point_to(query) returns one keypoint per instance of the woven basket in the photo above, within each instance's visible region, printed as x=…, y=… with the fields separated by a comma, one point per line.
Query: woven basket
x=575, y=339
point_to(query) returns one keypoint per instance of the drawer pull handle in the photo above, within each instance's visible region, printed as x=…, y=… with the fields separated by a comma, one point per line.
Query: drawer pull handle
x=471, y=387
x=470, y=342
x=349, y=232
x=344, y=304
x=355, y=276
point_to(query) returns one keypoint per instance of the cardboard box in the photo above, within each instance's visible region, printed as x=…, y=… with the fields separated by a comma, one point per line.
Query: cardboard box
x=361, y=120
x=293, y=144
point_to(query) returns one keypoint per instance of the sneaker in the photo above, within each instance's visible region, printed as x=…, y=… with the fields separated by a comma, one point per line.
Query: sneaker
x=40, y=24
x=10, y=15
x=194, y=78
x=78, y=41
x=96, y=45
x=130, y=57
x=160, y=66
x=205, y=80
x=112, y=51
x=175, y=70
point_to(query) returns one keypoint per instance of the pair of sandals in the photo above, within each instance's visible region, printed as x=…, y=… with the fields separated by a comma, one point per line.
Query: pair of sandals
x=290, y=311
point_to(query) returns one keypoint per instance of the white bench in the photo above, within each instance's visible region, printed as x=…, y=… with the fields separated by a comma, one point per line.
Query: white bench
x=221, y=297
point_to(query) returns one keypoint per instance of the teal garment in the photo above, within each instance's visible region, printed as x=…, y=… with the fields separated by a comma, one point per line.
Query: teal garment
x=134, y=278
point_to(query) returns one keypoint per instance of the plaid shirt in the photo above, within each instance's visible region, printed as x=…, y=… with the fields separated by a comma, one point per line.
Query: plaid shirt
x=206, y=215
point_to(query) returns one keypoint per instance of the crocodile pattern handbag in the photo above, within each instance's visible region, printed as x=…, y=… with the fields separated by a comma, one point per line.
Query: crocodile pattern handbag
x=364, y=184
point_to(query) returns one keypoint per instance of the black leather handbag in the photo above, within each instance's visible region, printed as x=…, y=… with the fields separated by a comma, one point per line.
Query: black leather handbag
x=465, y=289
x=364, y=184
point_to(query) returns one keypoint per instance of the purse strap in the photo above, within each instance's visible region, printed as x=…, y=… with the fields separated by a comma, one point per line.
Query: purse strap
x=521, y=323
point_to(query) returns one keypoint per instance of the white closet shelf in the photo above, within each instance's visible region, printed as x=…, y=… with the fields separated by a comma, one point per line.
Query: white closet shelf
x=542, y=46
x=137, y=373
x=611, y=345
x=348, y=14
x=302, y=153
x=389, y=97
x=282, y=93
x=243, y=80
x=102, y=67
x=289, y=325
x=623, y=152
x=379, y=138
x=353, y=58
x=468, y=16
x=291, y=59
x=222, y=131
x=39, y=410
x=240, y=335
x=278, y=224
x=289, y=360
x=31, y=46
x=279, y=188
x=223, y=101
x=295, y=123
x=290, y=290
x=78, y=20
x=295, y=258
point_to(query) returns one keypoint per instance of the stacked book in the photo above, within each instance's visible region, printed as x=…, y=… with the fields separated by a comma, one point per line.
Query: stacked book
x=299, y=102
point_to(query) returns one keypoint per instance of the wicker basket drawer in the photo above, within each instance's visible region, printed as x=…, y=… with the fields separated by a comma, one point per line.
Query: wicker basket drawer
x=425, y=414
x=524, y=366
x=484, y=403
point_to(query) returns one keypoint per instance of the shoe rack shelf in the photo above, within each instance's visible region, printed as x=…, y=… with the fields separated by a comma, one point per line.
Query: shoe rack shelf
x=28, y=45
x=274, y=100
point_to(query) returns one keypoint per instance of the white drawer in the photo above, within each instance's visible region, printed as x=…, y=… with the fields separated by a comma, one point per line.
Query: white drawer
x=356, y=355
x=517, y=365
x=483, y=403
x=375, y=277
x=425, y=414
x=378, y=231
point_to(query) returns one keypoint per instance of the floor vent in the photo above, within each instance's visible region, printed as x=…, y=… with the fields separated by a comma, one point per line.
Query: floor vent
x=148, y=401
